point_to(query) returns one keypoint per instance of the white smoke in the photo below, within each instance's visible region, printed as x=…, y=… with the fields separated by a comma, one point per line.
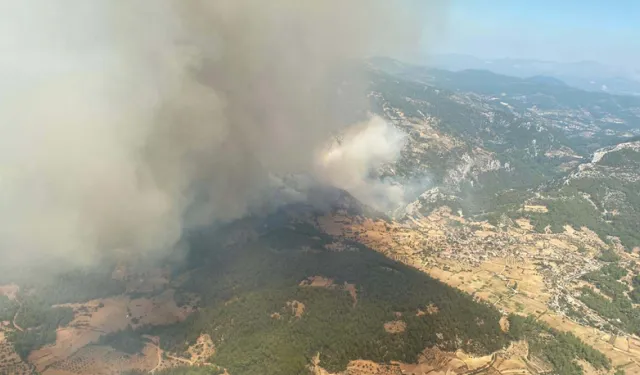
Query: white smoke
x=350, y=161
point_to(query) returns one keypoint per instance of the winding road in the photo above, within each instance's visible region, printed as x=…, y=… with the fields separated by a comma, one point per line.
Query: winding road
x=16, y=316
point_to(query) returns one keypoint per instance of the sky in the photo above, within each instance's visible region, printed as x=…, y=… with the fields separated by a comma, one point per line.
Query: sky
x=553, y=30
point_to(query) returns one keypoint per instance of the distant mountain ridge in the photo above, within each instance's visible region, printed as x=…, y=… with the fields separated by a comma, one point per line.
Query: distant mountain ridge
x=490, y=142
x=585, y=75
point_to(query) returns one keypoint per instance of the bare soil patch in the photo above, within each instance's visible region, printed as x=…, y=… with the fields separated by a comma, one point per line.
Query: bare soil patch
x=323, y=282
x=296, y=308
x=318, y=282
x=536, y=208
x=600, y=341
x=201, y=350
x=429, y=310
x=504, y=324
x=9, y=290
x=432, y=309
x=434, y=361
x=395, y=326
x=358, y=367
x=104, y=360
x=99, y=317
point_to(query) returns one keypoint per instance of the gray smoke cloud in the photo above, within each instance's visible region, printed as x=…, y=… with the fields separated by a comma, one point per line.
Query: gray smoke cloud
x=125, y=122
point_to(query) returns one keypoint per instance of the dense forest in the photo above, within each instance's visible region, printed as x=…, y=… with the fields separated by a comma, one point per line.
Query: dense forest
x=634, y=295
x=77, y=286
x=241, y=289
x=619, y=310
x=39, y=322
x=606, y=279
x=560, y=349
x=8, y=308
x=568, y=205
x=127, y=341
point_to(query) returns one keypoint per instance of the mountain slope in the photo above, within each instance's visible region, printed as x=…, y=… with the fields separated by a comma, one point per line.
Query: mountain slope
x=481, y=144
x=585, y=75
x=603, y=194
x=339, y=287
x=347, y=293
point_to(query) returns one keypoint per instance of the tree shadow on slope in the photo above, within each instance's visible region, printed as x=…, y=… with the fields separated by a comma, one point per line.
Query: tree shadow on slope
x=243, y=286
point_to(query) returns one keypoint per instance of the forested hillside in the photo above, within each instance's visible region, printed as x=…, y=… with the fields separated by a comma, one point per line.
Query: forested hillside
x=486, y=145
x=243, y=287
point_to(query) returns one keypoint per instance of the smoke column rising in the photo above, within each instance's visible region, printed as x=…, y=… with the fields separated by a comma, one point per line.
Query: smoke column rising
x=125, y=122
x=347, y=164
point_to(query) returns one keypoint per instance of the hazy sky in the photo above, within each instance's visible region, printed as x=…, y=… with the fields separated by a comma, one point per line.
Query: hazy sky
x=558, y=30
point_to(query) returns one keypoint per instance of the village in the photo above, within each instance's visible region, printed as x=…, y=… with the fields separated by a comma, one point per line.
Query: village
x=510, y=266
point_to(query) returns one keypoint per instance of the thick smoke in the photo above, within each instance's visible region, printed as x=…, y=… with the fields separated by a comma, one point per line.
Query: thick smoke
x=349, y=162
x=124, y=122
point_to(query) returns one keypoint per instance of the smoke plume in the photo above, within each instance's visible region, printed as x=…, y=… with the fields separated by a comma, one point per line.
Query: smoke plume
x=125, y=122
x=349, y=162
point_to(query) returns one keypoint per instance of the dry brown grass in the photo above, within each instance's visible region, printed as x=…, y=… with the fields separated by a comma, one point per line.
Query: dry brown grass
x=358, y=367
x=587, y=368
x=504, y=324
x=318, y=282
x=296, y=308
x=104, y=360
x=536, y=208
x=323, y=282
x=395, y=326
x=494, y=278
x=629, y=358
x=429, y=310
x=92, y=319
x=524, y=224
x=98, y=317
x=435, y=361
x=201, y=350
x=158, y=310
x=9, y=290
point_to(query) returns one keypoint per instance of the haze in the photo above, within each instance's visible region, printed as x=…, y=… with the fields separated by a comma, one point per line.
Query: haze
x=562, y=31
x=125, y=122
